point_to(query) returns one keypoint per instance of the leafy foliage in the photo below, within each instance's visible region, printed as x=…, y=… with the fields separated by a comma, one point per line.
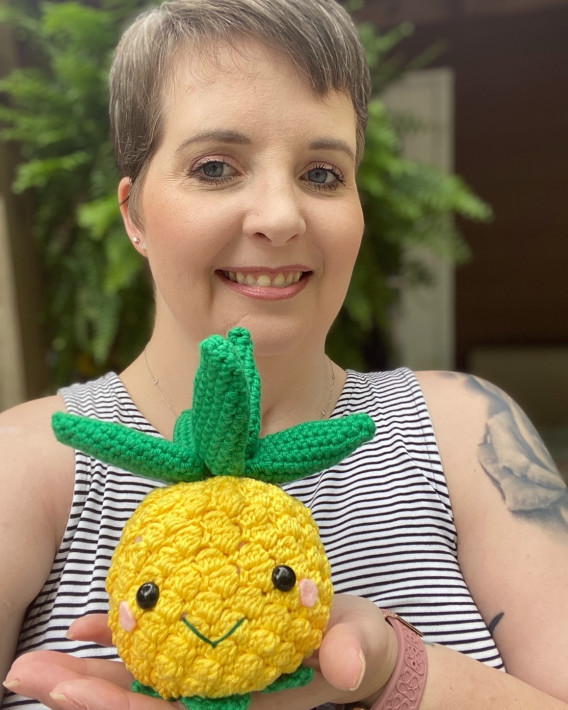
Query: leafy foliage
x=95, y=286
x=405, y=203
x=97, y=293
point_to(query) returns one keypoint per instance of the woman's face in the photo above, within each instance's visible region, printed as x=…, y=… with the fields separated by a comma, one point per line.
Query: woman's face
x=250, y=213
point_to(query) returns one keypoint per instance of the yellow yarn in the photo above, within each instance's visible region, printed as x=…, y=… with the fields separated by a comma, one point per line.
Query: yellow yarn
x=211, y=547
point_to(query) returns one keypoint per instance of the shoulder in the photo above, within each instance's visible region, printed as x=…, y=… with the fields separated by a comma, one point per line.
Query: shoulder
x=36, y=467
x=30, y=422
x=484, y=437
x=36, y=489
x=476, y=419
x=462, y=407
x=510, y=507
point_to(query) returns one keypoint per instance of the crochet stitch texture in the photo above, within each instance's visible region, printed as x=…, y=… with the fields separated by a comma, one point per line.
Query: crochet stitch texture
x=220, y=585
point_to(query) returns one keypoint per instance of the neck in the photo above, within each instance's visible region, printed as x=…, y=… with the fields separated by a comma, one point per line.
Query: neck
x=296, y=385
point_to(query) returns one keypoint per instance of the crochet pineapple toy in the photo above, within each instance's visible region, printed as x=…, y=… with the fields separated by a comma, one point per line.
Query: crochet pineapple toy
x=220, y=585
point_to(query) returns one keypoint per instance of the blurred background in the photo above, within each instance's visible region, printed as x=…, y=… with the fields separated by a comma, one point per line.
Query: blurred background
x=465, y=261
x=505, y=64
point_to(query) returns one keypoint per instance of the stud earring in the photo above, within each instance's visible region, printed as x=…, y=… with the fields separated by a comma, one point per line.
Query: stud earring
x=144, y=247
x=136, y=240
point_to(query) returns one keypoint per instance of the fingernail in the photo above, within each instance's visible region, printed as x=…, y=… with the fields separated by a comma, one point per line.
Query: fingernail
x=9, y=684
x=363, y=669
x=62, y=698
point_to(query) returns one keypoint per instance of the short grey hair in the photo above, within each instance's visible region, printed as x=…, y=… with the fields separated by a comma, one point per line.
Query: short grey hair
x=318, y=36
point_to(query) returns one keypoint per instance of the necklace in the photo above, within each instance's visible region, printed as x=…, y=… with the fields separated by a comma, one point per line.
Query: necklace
x=323, y=412
x=156, y=383
x=157, y=386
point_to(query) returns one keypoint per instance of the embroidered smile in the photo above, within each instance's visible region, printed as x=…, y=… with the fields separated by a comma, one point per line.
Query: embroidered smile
x=204, y=638
x=280, y=279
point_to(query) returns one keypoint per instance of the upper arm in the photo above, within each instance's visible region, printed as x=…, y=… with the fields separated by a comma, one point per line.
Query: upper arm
x=36, y=484
x=511, y=511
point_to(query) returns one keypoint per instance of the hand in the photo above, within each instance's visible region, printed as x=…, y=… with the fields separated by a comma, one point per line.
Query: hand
x=354, y=662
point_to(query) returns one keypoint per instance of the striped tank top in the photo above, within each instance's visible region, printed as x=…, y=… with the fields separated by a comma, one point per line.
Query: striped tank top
x=384, y=516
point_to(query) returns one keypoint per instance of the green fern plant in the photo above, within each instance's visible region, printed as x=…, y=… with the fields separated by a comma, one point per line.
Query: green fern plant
x=405, y=203
x=97, y=293
x=57, y=112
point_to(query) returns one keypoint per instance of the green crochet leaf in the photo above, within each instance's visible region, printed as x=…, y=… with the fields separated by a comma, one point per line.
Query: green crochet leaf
x=233, y=702
x=139, y=687
x=300, y=677
x=183, y=430
x=308, y=448
x=242, y=343
x=220, y=434
x=128, y=448
x=221, y=408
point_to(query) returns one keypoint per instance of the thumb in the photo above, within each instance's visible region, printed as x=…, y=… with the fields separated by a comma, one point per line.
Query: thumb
x=359, y=649
x=341, y=657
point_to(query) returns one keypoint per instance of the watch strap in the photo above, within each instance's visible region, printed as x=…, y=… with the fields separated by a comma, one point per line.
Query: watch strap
x=406, y=685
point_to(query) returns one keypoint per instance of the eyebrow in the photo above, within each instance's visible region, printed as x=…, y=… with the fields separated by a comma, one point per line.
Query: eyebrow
x=228, y=136
x=222, y=136
x=332, y=144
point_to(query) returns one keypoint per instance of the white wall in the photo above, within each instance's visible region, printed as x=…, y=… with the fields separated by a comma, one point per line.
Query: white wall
x=423, y=326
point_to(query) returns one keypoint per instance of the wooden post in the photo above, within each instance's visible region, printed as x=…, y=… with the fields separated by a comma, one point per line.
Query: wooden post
x=22, y=355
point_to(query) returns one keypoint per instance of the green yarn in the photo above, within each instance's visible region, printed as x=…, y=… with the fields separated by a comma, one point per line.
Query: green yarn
x=220, y=434
x=300, y=677
x=130, y=449
x=233, y=702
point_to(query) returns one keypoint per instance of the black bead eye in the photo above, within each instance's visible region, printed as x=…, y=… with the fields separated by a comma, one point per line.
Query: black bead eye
x=147, y=595
x=283, y=578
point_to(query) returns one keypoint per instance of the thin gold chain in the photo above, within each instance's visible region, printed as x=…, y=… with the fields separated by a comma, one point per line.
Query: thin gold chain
x=157, y=386
x=323, y=412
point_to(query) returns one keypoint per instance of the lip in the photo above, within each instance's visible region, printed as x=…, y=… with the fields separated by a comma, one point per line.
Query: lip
x=287, y=281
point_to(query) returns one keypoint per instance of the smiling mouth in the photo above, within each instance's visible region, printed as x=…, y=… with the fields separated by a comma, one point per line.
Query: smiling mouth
x=280, y=279
x=201, y=636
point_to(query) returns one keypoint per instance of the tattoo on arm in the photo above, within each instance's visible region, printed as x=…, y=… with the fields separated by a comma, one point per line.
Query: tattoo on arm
x=515, y=458
x=492, y=624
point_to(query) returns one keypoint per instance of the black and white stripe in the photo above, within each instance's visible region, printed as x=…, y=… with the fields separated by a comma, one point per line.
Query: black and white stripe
x=386, y=521
x=384, y=516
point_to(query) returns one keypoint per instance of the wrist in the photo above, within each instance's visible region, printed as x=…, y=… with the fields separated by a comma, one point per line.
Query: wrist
x=407, y=682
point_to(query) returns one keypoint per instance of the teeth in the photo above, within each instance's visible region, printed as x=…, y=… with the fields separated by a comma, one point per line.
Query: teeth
x=280, y=280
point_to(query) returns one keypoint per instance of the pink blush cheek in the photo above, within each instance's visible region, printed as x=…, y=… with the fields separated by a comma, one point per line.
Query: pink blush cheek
x=126, y=617
x=309, y=593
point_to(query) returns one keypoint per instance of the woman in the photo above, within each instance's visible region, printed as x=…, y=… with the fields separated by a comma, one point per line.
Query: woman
x=238, y=128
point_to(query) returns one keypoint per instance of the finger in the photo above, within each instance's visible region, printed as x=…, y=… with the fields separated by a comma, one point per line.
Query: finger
x=35, y=675
x=103, y=695
x=91, y=627
x=341, y=657
x=358, y=650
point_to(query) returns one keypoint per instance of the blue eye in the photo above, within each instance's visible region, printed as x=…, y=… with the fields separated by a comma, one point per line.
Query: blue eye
x=321, y=175
x=213, y=169
x=324, y=177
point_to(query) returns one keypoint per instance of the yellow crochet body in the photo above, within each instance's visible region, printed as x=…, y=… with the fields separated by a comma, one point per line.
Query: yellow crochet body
x=219, y=626
x=220, y=585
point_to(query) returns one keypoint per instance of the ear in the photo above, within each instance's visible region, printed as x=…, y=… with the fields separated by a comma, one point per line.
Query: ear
x=133, y=230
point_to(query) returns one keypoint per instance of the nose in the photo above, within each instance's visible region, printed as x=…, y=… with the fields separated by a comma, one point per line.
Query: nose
x=275, y=213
